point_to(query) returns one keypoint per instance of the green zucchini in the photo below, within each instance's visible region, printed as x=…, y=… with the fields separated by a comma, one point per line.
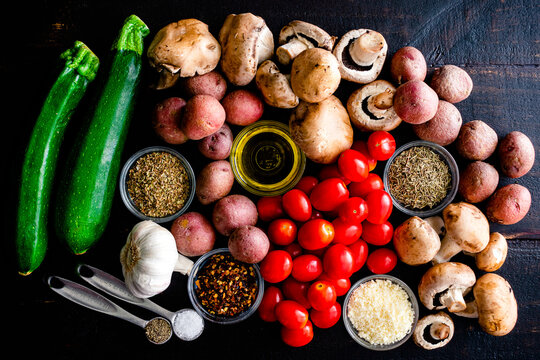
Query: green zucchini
x=40, y=160
x=87, y=189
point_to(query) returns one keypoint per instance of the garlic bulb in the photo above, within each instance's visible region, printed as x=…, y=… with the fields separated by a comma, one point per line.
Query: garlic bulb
x=149, y=259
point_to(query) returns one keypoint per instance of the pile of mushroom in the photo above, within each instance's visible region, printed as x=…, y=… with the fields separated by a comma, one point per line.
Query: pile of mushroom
x=463, y=228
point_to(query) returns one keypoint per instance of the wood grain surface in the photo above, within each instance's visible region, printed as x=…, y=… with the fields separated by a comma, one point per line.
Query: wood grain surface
x=495, y=41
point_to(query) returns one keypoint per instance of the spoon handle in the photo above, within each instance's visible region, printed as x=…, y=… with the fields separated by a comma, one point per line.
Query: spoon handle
x=117, y=288
x=89, y=298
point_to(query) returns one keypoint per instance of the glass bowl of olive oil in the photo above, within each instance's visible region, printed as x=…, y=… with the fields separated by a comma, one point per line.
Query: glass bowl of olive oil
x=265, y=160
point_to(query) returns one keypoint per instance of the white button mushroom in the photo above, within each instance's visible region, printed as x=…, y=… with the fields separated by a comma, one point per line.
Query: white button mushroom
x=444, y=286
x=494, y=305
x=415, y=241
x=467, y=229
x=440, y=330
x=183, y=49
x=246, y=41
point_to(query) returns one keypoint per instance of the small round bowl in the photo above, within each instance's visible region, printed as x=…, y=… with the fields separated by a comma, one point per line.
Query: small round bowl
x=265, y=160
x=217, y=318
x=126, y=198
x=454, y=172
x=352, y=331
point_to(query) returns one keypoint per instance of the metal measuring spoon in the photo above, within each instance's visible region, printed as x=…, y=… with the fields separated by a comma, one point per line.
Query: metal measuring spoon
x=117, y=288
x=86, y=297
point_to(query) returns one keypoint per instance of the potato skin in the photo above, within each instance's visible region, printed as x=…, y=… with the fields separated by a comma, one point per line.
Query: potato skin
x=242, y=107
x=478, y=181
x=509, y=204
x=211, y=83
x=476, y=140
x=214, y=181
x=217, y=146
x=203, y=116
x=248, y=244
x=415, y=102
x=233, y=211
x=443, y=128
x=408, y=63
x=166, y=120
x=451, y=83
x=194, y=234
x=516, y=154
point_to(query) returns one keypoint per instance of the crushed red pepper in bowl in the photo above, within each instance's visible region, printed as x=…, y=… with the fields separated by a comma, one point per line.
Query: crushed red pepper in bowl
x=223, y=289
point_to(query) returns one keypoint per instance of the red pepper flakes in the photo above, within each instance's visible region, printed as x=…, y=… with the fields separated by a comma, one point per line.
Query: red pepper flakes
x=226, y=286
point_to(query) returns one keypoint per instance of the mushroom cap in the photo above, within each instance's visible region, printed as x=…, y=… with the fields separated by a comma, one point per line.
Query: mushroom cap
x=275, y=86
x=183, y=49
x=428, y=322
x=496, y=303
x=308, y=32
x=315, y=75
x=467, y=226
x=365, y=115
x=347, y=67
x=443, y=277
x=494, y=254
x=322, y=130
x=415, y=241
x=246, y=41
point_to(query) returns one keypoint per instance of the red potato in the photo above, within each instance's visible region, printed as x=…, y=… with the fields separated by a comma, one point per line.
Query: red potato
x=408, y=63
x=443, y=128
x=509, y=204
x=451, y=83
x=166, y=120
x=211, y=83
x=516, y=154
x=218, y=145
x=194, y=234
x=203, y=116
x=249, y=244
x=415, y=102
x=478, y=181
x=476, y=140
x=243, y=107
x=233, y=211
x=214, y=182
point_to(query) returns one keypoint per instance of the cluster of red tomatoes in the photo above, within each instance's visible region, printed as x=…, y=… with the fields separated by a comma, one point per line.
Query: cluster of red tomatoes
x=320, y=232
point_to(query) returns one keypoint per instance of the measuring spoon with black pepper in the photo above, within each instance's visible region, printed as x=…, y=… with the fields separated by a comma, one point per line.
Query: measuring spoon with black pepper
x=158, y=330
x=117, y=288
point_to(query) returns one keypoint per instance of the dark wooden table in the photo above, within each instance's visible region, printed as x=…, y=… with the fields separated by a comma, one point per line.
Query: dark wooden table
x=495, y=41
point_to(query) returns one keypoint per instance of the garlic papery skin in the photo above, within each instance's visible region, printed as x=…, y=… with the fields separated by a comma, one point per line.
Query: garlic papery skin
x=148, y=259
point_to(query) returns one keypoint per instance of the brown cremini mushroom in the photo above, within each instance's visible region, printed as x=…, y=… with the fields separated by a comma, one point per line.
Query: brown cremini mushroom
x=275, y=86
x=445, y=285
x=371, y=107
x=315, y=75
x=494, y=254
x=183, y=49
x=494, y=305
x=298, y=36
x=361, y=54
x=467, y=229
x=434, y=331
x=246, y=41
x=415, y=241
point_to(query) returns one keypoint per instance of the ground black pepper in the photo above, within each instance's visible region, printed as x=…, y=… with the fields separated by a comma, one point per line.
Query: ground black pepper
x=226, y=286
x=158, y=184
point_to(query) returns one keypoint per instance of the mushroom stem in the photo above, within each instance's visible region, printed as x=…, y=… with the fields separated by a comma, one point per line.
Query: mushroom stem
x=453, y=300
x=471, y=310
x=384, y=100
x=288, y=51
x=449, y=248
x=365, y=49
x=439, y=330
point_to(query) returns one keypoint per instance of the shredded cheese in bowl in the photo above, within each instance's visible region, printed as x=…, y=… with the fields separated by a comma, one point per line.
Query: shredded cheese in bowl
x=380, y=312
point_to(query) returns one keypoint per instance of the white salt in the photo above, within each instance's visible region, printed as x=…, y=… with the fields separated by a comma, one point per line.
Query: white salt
x=188, y=324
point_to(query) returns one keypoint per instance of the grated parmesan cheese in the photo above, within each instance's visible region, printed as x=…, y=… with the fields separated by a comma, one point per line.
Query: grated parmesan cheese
x=381, y=312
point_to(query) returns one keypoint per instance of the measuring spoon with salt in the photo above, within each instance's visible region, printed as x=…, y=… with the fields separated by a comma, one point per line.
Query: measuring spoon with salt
x=86, y=297
x=187, y=323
